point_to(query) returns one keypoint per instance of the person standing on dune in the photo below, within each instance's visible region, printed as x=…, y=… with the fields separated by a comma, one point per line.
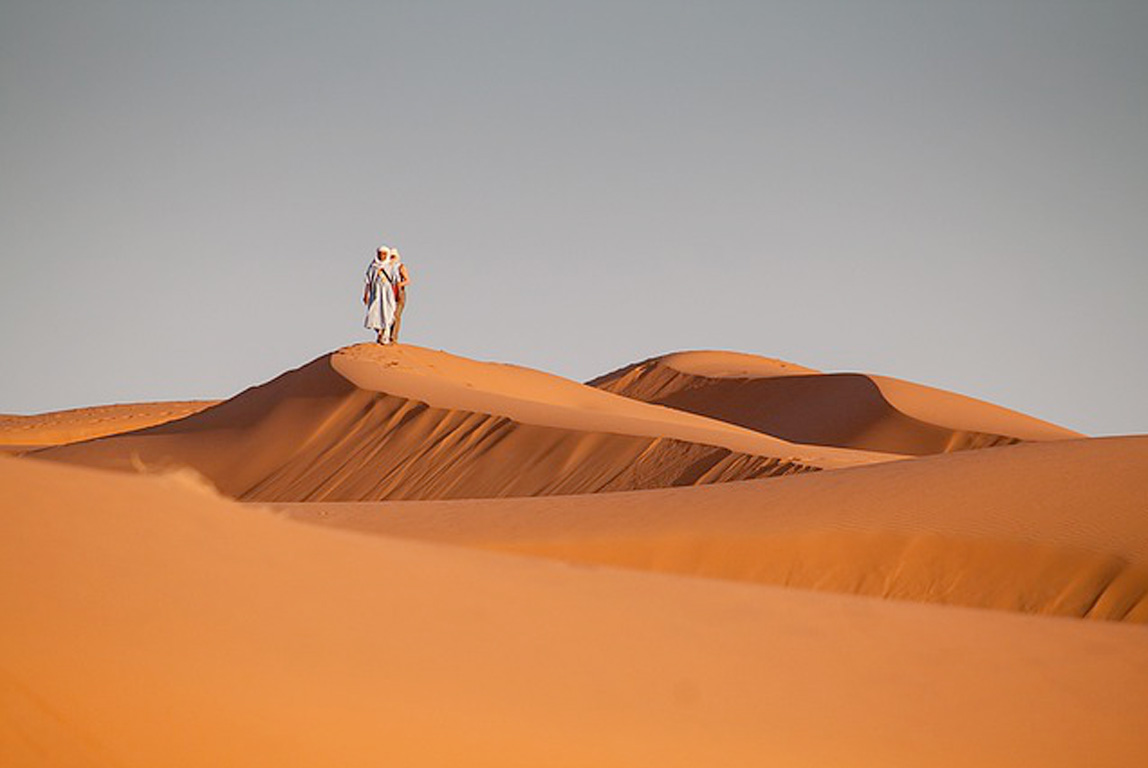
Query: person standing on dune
x=379, y=295
x=402, y=280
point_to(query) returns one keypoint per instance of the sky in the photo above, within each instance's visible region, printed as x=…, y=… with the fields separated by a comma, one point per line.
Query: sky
x=954, y=193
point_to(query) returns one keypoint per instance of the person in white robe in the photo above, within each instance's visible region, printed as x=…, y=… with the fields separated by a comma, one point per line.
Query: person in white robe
x=379, y=296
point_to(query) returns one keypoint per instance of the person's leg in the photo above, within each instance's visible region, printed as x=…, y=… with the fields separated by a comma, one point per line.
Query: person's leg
x=402, y=302
x=386, y=334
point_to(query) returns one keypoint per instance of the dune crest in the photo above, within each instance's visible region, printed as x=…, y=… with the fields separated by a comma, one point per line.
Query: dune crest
x=845, y=410
x=373, y=423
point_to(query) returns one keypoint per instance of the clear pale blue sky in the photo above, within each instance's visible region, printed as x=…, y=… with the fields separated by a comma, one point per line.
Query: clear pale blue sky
x=955, y=193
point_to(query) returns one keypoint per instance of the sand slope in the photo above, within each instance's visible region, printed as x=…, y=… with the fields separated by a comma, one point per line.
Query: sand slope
x=371, y=423
x=876, y=413
x=1057, y=528
x=151, y=623
x=20, y=433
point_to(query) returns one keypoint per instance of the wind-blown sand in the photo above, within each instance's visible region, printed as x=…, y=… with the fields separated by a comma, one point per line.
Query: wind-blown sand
x=742, y=597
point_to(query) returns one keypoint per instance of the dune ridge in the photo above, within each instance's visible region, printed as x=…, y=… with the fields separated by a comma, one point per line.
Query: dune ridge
x=801, y=405
x=366, y=423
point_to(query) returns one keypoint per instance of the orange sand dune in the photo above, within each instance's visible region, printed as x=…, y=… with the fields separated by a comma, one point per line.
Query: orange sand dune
x=18, y=433
x=371, y=423
x=149, y=622
x=850, y=410
x=1056, y=528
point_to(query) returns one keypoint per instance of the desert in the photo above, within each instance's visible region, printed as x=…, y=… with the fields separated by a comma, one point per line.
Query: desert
x=597, y=384
x=395, y=555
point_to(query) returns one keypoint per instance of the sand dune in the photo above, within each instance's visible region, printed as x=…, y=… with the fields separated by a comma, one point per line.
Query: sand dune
x=850, y=410
x=463, y=593
x=370, y=423
x=21, y=433
x=1058, y=528
x=228, y=636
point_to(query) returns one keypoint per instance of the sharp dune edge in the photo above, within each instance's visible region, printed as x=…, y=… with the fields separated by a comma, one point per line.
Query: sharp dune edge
x=791, y=568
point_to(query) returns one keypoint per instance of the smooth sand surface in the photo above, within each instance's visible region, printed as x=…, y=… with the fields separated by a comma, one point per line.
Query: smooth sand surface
x=60, y=427
x=372, y=423
x=712, y=363
x=149, y=622
x=850, y=410
x=1058, y=528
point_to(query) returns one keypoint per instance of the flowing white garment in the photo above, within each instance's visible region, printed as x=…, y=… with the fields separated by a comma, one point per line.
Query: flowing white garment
x=380, y=296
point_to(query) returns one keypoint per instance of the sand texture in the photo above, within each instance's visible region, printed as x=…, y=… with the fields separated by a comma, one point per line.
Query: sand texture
x=401, y=557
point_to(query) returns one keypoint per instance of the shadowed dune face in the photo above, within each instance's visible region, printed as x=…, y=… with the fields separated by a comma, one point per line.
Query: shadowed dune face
x=846, y=410
x=313, y=435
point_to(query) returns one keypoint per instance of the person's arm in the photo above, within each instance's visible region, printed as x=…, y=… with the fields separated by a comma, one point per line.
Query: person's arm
x=404, y=278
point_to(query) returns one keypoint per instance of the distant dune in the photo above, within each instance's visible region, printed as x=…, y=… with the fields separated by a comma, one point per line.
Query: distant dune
x=371, y=423
x=21, y=433
x=848, y=410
